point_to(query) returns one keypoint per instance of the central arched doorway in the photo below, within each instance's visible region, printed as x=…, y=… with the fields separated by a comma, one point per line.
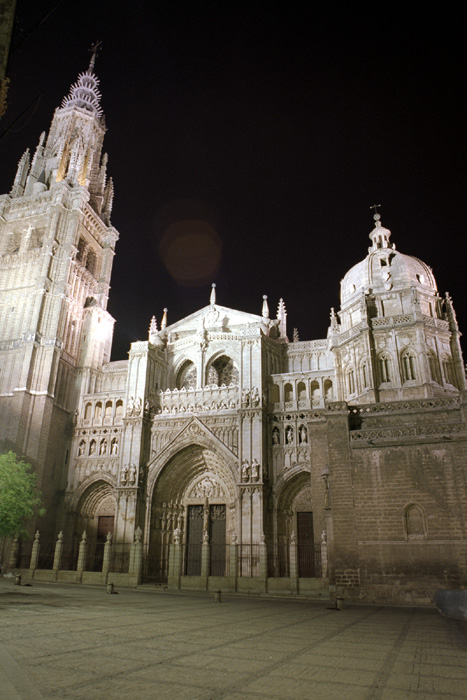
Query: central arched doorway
x=195, y=492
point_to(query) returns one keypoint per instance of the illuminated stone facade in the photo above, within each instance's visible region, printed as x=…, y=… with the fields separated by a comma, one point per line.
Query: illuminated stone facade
x=335, y=462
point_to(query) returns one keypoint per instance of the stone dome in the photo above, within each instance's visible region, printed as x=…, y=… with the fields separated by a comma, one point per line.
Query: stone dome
x=385, y=269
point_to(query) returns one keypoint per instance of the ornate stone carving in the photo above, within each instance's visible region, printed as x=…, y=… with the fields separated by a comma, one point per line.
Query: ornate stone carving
x=207, y=488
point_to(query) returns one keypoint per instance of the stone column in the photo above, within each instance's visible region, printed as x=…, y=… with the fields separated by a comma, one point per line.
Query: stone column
x=205, y=558
x=175, y=561
x=13, y=558
x=83, y=548
x=233, y=560
x=35, y=554
x=58, y=554
x=263, y=562
x=107, y=555
x=136, y=558
x=324, y=555
x=293, y=562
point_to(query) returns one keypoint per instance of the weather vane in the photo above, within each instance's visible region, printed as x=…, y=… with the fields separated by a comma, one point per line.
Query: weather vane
x=375, y=207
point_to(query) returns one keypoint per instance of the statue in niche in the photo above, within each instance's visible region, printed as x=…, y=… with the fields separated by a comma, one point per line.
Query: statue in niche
x=275, y=437
x=103, y=447
x=130, y=406
x=92, y=447
x=114, y=447
x=81, y=448
x=255, y=397
x=124, y=475
x=303, y=435
x=289, y=435
x=245, y=470
x=255, y=470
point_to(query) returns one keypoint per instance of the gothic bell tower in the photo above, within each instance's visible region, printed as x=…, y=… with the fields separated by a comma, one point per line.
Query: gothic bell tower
x=56, y=254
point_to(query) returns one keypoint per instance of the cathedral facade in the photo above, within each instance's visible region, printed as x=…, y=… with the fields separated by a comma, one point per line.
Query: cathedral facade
x=231, y=456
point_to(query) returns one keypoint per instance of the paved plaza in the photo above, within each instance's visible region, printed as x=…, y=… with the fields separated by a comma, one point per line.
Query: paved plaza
x=70, y=642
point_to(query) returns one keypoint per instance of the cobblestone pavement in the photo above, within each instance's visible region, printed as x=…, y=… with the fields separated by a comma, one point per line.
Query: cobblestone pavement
x=70, y=643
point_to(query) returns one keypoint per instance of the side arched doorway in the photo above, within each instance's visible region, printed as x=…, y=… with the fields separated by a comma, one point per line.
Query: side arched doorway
x=194, y=492
x=95, y=515
x=295, y=521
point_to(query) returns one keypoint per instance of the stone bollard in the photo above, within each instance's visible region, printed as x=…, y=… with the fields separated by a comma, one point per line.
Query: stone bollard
x=18, y=580
x=339, y=603
x=110, y=588
x=217, y=596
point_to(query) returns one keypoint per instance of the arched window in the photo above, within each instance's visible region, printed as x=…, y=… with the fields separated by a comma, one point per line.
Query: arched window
x=81, y=250
x=384, y=366
x=365, y=375
x=108, y=409
x=448, y=370
x=119, y=409
x=187, y=376
x=414, y=521
x=222, y=371
x=408, y=365
x=88, y=411
x=315, y=393
x=328, y=391
x=301, y=391
x=434, y=367
x=288, y=392
x=351, y=381
x=91, y=262
x=98, y=411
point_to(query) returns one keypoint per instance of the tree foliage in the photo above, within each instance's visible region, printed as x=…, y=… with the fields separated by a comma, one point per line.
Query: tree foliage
x=19, y=499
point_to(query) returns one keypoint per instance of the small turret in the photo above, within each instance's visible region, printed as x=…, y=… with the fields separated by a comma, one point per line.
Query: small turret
x=21, y=174
x=282, y=318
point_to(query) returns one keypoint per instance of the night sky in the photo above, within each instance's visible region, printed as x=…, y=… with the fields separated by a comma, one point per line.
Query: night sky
x=253, y=139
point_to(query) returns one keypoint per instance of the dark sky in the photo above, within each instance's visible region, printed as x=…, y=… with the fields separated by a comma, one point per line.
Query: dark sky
x=272, y=129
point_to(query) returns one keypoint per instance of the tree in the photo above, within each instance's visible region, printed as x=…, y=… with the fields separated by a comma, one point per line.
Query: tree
x=19, y=499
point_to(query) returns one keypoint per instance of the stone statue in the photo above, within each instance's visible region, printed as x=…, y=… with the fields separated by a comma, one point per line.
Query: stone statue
x=289, y=435
x=124, y=475
x=177, y=535
x=303, y=434
x=245, y=398
x=255, y=397
x=132, y=475
x=255, y=470
x=114, y=447
x=130, y=406
x=245, y=470
x=275, y=436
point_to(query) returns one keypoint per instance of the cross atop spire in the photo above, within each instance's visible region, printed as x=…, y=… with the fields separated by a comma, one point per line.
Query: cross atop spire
x=95, y=48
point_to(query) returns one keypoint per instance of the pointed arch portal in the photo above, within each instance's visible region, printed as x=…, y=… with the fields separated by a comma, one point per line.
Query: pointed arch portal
x=194, y=492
